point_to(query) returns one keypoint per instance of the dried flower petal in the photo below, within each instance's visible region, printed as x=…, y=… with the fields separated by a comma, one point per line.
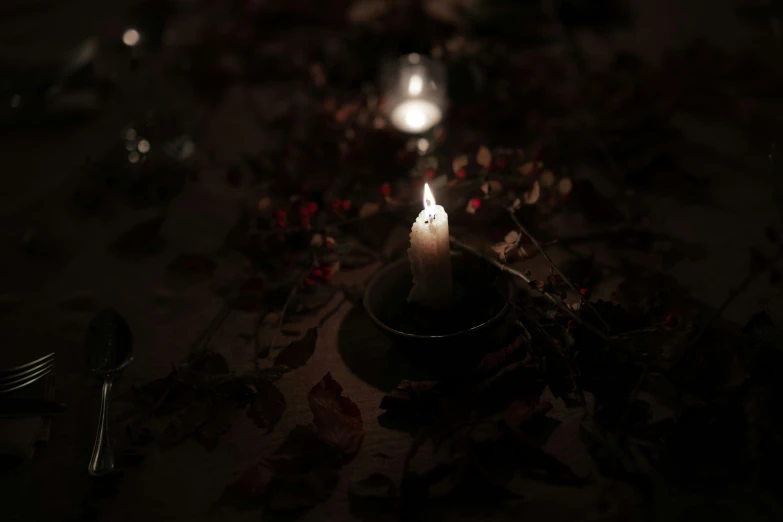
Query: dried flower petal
x=264, y=204
x=317, y=240
x=533, y=194
x=527, y=168
x=484, y=157
x=459, y=163
x=547, y=179
x=565, y=186
x=500, y=249
x=512, y=238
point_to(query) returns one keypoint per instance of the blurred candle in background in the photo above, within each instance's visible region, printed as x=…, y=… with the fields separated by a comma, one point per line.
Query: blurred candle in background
x=414, y=88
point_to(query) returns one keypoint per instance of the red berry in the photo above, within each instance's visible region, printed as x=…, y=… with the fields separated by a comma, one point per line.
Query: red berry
x=429, y=174
x=280, y=214
x=567, y=196
x=585, y=292
x=304, y=212
x=461, y=174
x=501, y=163
x=475, y=203
x=346, y=205
x=327, y=269
x=572, y=324
x=317, y=273
x=328, y=276
x=308, y=282
x=336, y=204
x=671, y=320
x=312, y=207
x=386, y=189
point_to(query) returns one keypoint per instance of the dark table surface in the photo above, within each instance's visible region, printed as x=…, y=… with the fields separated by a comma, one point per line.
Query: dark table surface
x=47, y=300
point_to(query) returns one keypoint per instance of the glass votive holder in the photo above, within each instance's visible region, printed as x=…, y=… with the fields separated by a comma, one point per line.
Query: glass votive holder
x=414, y=89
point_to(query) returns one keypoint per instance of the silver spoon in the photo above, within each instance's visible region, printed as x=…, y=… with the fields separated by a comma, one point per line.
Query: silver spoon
x=109, y=345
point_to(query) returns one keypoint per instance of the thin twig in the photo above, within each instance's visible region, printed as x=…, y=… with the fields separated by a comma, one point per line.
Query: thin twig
x=557, y=301
x=264, y=352
x=571, y=370
x=554, y=267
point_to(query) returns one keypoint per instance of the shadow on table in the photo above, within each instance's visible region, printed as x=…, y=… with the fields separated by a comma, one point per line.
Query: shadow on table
x=371, y=356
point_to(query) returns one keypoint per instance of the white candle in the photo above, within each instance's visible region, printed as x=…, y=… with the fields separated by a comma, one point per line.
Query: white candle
x=429, y=255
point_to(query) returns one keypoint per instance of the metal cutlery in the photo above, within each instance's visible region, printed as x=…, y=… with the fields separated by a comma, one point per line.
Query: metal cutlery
x=109, y=345
x=20, y=376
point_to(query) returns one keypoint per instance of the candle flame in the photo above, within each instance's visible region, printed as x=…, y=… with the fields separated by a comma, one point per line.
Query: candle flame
x=429, y=200
x=415, y=85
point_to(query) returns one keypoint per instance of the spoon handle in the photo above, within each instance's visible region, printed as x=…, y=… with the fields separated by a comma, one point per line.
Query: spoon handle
x=102, y=459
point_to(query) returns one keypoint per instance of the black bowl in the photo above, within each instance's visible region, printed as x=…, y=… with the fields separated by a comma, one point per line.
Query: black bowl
x=466, y=329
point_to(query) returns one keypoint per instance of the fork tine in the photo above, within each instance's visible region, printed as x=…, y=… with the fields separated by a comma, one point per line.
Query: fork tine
x=20, y=374
x=13, y=386
x=25, y=366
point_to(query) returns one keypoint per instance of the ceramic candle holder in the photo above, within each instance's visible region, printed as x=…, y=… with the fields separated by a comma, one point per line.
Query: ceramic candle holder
x=463, y=331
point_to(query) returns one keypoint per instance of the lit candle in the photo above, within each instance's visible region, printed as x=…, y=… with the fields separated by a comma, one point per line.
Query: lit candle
x=429, y=255
x=415, y=115
x=415, y=93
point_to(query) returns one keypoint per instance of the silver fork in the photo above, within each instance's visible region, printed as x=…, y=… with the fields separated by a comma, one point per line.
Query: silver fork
x=20, y=376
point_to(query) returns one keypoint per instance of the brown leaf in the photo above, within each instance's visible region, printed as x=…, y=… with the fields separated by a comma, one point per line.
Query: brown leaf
x=415, y=398
x=494, y=360
x=252, y=484
x=268, y=406
x=337, y=419
x=298, y=352
x=301, y=473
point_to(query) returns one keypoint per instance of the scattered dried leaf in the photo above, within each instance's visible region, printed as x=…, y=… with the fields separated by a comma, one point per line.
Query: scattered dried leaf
x=337, y=419
x=298, y=352
x=483, y=157
x=268, y=405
